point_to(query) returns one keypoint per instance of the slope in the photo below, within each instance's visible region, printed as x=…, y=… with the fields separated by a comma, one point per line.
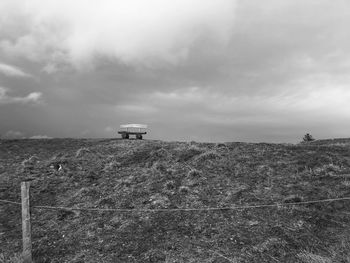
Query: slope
x=137, y=175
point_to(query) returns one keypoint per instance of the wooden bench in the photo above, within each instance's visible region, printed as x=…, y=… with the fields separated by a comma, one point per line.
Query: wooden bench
x=132, y=129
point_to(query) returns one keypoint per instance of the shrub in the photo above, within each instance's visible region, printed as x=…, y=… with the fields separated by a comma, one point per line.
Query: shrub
x=308, y=138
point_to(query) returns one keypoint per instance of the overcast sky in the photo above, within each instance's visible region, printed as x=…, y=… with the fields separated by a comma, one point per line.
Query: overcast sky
x=203, y=70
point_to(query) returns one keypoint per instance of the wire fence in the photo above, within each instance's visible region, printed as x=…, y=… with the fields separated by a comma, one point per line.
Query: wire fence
x=249, y=206
x=219, y=253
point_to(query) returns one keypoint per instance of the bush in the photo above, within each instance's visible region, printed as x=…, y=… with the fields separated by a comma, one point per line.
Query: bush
x=308, y=138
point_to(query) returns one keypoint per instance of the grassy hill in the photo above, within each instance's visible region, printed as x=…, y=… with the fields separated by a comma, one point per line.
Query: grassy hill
x=135, y=175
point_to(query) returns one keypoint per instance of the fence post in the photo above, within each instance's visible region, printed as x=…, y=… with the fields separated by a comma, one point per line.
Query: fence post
x=26, y=227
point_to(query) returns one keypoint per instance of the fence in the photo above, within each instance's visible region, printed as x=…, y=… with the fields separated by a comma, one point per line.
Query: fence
x=26, y=223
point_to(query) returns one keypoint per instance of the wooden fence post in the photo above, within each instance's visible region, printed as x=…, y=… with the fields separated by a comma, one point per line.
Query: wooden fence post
x=26, y=227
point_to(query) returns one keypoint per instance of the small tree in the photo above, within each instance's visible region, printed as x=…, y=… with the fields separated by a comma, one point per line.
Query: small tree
x=308, y=138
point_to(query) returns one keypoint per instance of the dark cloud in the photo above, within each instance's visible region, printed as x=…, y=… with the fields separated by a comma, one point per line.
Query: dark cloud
x=277, y=70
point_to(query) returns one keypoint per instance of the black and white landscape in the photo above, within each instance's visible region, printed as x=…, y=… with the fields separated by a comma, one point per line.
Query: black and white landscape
x=201, y=131
x=193, y=70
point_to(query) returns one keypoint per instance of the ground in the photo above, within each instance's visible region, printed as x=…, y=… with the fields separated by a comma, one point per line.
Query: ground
x=134, y=175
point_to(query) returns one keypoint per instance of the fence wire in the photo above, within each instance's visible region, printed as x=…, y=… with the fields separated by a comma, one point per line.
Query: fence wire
x=249, y=206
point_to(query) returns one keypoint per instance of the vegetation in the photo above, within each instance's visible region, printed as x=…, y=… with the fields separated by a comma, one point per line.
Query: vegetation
x=134, y=174
x=308, y=138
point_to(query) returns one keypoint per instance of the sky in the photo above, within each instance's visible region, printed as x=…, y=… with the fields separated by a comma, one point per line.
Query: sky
x=193, y=70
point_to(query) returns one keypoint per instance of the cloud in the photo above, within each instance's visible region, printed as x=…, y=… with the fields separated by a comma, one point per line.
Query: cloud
x=40, y=137
x=14, y=135
x=318, y=97
x=212, y=66
x=11, y=134
x=135, y=109
x=31, y=98
x=134, y=32
x=12, y=71
x=109, y=129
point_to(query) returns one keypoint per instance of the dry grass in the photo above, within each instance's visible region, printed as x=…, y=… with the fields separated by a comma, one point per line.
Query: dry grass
x=153, y=174
x=13, y=258
x=308, y=257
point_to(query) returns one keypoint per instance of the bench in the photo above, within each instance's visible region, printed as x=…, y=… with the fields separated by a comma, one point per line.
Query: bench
x=132, y=129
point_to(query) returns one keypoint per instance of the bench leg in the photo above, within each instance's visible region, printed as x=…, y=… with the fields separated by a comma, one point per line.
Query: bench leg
x=125, y=136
